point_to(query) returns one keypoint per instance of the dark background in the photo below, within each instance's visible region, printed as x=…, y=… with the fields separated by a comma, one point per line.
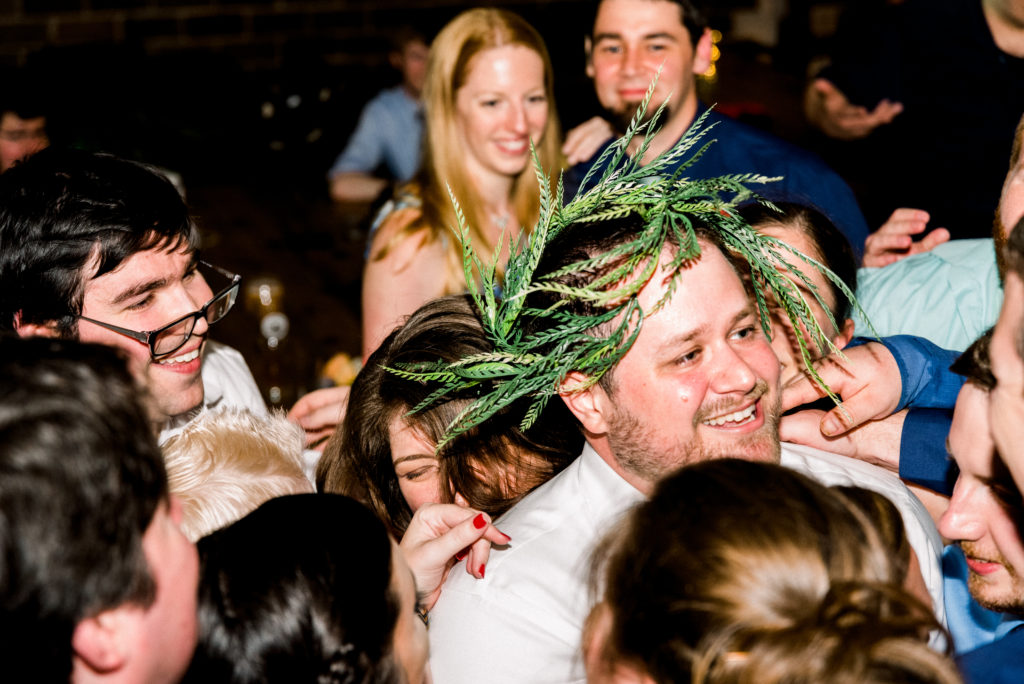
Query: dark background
x=250, y=101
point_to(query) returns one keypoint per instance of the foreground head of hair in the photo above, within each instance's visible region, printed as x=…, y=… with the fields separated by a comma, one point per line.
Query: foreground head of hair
x=80, y=481
x=491, y=467
x=297, y=591
x=65, y=212
x=228, y=461
x=779, y=579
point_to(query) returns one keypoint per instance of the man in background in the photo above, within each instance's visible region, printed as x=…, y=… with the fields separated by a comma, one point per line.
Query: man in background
x=390, y=129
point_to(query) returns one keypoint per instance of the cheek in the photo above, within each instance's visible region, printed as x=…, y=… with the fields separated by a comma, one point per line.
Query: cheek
x=422, y=491
x=538, y=120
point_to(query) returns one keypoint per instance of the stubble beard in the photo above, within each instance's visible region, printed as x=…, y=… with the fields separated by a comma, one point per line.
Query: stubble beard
x=624, y=117
x=1010, y=600
x=639, y=450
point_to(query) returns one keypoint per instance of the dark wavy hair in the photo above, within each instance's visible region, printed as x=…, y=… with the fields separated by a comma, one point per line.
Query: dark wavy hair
x=297, y=591
x=737, y=571
x=492, y=466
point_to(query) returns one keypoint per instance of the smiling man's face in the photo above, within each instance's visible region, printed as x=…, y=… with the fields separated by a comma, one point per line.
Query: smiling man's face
x=145, y=292
x=700, y=382
x=984, y=514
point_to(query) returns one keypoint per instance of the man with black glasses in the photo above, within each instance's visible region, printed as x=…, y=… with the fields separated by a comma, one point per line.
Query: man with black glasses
x=103, y=250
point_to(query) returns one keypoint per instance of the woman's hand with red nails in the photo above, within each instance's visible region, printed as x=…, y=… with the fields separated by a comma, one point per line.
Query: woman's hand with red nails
x=442, y=534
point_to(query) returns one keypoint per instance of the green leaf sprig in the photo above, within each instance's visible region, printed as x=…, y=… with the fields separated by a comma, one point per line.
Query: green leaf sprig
x=531, y=363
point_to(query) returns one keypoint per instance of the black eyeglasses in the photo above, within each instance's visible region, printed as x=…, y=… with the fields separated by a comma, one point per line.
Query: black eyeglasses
x=174, y=335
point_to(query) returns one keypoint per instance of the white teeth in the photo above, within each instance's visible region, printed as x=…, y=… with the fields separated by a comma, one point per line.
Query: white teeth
x=184, y=358
x=737, y=417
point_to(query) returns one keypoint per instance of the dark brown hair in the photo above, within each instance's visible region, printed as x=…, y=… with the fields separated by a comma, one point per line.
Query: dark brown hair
x=492, y=466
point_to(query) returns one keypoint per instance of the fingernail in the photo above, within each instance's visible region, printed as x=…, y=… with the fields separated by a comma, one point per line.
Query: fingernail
x=830, y=425
x=507, y=538
x=479, y=521
x=481, y=571
x=462, y=554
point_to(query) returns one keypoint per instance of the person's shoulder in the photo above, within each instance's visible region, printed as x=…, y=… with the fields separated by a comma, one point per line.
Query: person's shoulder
x=227, y=379
x=833, y=469
x=999, y=662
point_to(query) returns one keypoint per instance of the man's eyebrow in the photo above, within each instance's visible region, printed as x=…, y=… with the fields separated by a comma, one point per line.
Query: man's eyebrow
x=610, y=35
x=598, y=37
x=154, y=284
x=140, y=289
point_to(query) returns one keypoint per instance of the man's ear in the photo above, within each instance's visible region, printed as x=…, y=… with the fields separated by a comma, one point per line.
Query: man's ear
x=48, y=329
x=702, y=53
x=588, y=50
x=591, y=406
x=102, y=642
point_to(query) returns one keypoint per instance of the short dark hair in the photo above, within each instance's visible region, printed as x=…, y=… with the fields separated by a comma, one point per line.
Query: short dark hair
x=80, y=479
x=63, y=210
x=690, y=15
x=491, y=466
x=834, y=250
x=297, y=591
x=975, y=365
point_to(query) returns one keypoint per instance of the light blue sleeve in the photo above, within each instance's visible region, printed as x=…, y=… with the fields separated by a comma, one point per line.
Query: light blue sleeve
x=950, y=295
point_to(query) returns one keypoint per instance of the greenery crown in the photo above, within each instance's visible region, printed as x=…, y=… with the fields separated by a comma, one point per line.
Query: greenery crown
x=533, y=366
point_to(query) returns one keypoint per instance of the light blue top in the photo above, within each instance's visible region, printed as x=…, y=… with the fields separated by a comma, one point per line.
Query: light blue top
x=949, y=295
x=970, y=625
x=389, y=132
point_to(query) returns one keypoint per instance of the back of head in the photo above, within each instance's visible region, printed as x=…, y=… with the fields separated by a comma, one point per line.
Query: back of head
x=297, y=591
x=228, y=461
x=778, y=579
x=357, y=460
x=80, y=480
x=67, y=215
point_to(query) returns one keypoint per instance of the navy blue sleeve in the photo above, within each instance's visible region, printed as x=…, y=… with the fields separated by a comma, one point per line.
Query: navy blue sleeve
x=926, y=379
x=923, y=456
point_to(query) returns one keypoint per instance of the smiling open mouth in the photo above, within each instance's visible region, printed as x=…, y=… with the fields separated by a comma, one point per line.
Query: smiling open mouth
x=184, y=358
x=733, y=419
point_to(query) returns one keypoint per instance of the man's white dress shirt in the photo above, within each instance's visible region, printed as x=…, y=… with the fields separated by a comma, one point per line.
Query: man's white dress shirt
x=522, y=623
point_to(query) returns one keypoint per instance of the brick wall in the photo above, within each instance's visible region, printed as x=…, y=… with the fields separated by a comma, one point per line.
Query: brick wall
x=254, y=32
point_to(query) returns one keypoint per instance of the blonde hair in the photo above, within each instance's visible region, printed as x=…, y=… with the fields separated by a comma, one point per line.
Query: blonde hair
x=227, y=462
x=451, y=58
x=739, y=572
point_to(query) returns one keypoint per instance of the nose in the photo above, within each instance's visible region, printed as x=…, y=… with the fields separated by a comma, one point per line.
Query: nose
x=732, y=372
x=193, y=298
x=517, y=119
x=630, y=61
x=961, y=522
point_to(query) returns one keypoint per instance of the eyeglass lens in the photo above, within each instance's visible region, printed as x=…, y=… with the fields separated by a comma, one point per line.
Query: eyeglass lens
x=174, y=337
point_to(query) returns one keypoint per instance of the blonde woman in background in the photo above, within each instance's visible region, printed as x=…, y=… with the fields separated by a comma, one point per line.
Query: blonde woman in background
x=488, y=94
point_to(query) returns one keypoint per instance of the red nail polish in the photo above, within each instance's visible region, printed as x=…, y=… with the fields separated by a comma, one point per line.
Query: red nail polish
x=481, y=571
x=462, y=554
x=479, y=521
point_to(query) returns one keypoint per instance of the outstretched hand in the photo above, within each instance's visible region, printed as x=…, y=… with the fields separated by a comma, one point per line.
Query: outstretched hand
x=894, y=240
x=868, y=381
x=441, y=535
x=828, y=108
